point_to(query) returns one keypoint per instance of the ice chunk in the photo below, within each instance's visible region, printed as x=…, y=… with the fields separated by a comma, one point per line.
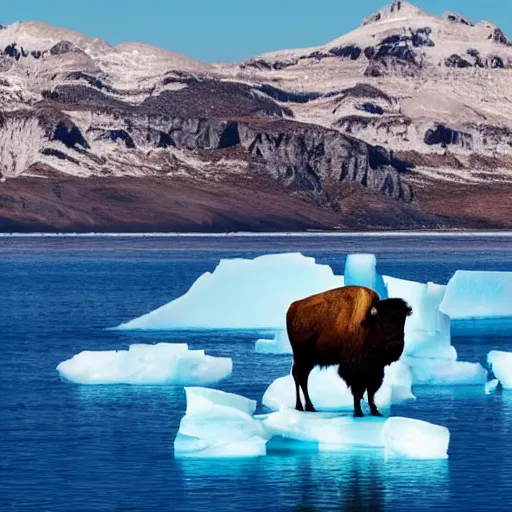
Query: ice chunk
x=163, y=363
x=442, y=372
x=201, y=399
x=280, y=344
x=330, y=432
x=328, y=390
x=399, y=376
x=243, y=294
x=490, y=387
x=415, y=439
x=361, y=270
x=478, y=294
x=427, y=330
x=501, y=365
x=400, y=437
x=219, y=424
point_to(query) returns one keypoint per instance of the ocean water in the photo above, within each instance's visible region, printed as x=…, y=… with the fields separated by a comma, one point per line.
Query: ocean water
x=71, y=448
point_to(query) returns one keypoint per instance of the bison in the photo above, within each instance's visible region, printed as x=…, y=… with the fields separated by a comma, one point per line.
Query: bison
x=350, y=327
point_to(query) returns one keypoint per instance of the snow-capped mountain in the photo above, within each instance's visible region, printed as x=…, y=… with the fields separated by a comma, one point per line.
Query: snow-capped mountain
x=405, y=122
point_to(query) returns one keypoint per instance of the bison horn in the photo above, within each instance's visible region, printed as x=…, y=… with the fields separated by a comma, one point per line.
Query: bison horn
x=373, y=311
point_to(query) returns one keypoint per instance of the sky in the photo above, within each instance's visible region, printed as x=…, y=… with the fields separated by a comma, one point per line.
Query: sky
x=229, y=30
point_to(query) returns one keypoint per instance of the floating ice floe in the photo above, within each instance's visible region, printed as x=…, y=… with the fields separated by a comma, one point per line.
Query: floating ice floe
x=163, y=363
x=478, y=294
x=220, y=424
x=279, y=344
x=441, y=372
x=243, y=294
x=501, y=365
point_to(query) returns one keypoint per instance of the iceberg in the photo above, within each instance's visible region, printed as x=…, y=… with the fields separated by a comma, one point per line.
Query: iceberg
x=280, y=344
x=361, y=270
x=441, y=372
x=219, y=424
x=427, y=330
x=329, y=392
x=243, y=294
x=160, y=364
x=478, y=294
x=501, y=365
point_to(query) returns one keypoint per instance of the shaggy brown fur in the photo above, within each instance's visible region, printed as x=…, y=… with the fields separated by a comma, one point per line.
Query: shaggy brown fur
x=350, y=327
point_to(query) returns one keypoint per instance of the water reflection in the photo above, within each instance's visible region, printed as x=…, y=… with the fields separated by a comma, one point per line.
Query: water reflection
x=357, y=480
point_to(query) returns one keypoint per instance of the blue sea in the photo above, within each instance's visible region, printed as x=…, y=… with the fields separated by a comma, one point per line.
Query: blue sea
x=70, y=448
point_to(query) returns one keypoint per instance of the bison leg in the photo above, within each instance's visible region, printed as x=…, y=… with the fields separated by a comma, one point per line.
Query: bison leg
x=374, y=384
x=296, y=378
x=304, y=385
x=300, y=374
x=358, y=390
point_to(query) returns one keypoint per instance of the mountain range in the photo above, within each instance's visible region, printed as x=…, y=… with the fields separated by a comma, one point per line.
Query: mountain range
x=403, y=123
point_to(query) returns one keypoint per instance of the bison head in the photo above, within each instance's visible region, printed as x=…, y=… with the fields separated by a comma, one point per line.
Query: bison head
x=386, y=321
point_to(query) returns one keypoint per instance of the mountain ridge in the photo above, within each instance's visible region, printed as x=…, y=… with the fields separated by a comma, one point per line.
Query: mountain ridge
x=406, y=106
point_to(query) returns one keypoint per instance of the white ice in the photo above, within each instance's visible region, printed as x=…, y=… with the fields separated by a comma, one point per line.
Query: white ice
x=427, y=330
x=477, y=294
x=218, y=424
x=400, y=437
x=279, y=344
x=414, y=439
x=361, y=270
x=328, y=391
x=163, y=363
x=330, y=431
x=501, y=365
x=441, y=372
x=243, y=294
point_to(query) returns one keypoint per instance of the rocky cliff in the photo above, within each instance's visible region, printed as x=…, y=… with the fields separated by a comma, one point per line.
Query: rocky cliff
x=397, y=113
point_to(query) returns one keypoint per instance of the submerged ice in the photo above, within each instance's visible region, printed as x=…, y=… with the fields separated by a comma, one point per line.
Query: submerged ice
x=218, y=424
x=163, y=363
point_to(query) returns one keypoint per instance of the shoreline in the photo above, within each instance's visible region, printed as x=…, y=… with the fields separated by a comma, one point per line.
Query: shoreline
x=248, y=234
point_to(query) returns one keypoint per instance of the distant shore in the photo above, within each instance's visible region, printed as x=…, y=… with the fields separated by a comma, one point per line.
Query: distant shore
x=457, y=233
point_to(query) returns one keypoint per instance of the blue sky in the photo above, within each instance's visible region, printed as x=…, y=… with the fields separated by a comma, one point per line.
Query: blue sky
x=228, y=30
